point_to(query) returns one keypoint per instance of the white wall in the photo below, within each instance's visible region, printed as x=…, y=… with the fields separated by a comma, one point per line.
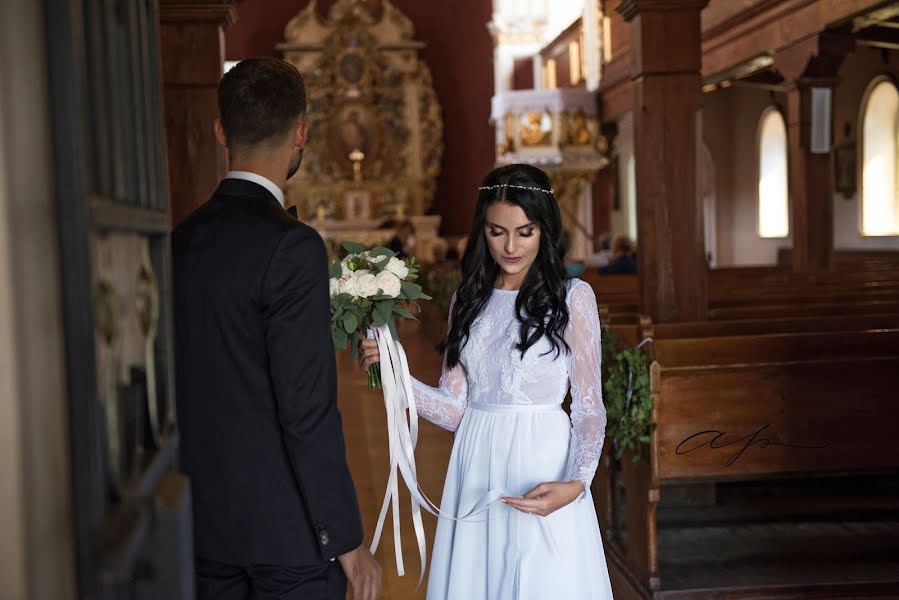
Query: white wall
x=524, y=27
x=36, y=552
x=856, y=73
x=731, y=119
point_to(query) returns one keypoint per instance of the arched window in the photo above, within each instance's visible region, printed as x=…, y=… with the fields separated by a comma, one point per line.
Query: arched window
x=774, y=210
x=880, y=137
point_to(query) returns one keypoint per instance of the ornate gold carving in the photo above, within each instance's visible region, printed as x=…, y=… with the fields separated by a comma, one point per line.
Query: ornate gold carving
x=578, y=129
x=375, y=120
x=536, y=129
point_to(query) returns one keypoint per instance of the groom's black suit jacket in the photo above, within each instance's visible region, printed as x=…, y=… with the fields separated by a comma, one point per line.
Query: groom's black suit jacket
x=261, y=437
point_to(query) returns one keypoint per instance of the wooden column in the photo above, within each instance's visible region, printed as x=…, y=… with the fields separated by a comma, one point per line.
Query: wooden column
x=665, y=68
x=811, y=196
x=813, y=63
x=193, y=55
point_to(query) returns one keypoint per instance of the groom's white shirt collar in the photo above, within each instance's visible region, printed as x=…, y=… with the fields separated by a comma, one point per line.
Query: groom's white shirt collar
x=263, y=181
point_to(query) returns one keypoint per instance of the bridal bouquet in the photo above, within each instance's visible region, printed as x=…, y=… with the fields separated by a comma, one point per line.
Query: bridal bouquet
x=368, y=289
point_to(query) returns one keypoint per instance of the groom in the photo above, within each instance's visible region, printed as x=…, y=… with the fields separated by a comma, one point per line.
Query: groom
x=261, y=437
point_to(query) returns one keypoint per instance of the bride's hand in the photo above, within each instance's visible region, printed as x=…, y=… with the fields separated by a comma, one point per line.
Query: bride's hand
x=547, y=498
x=368, y=354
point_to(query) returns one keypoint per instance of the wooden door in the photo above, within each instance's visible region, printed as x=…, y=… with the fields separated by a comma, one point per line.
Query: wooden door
x=131, y=507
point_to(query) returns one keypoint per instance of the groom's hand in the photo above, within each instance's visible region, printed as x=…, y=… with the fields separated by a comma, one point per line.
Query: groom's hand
x=363, y=572
x=368, y=354
x=547, y=498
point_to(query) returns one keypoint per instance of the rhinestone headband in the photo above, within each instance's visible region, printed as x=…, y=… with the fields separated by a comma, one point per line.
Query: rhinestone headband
x=519, y=187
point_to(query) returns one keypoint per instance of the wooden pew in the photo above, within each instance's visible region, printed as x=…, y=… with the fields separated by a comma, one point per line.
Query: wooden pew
x=740, y=327
x=735, y=293
x=786, y=310
x=612, y=288
x=841, y=257
x=770, y=410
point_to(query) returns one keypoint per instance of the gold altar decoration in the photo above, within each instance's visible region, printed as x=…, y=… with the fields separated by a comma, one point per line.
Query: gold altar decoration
x=376, y=130
x=557, y=130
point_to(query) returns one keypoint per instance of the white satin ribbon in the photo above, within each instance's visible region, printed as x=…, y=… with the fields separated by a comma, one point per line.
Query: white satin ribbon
x=402, y=438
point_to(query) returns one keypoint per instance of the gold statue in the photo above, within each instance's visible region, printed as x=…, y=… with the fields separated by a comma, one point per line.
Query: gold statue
x=532, y=133
x=578, y=130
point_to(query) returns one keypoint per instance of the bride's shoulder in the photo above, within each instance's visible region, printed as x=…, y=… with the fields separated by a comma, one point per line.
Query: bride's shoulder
x=579, y=286
x=579, y=291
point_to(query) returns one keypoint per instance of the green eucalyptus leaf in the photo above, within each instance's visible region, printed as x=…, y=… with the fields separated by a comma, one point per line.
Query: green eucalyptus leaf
x=340, y=339
x=410, y=291
x=335, y=270
x=354, y=345
x=381, y=251
x=403, y=312
x=353, y=247
x=392, y=326
x=383, y=309
x=351, y=322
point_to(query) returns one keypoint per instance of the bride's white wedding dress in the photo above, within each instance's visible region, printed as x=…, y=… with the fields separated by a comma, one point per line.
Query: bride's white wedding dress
x=512, y=434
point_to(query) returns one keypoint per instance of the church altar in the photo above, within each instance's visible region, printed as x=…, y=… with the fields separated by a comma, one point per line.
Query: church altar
x=376, y=129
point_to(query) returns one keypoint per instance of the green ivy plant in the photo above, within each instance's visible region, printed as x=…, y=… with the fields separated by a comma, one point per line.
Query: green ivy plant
x=628, y=398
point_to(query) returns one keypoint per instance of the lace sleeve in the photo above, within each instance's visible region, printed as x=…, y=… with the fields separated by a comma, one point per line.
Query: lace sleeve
x=588, y=413
x=445, y=404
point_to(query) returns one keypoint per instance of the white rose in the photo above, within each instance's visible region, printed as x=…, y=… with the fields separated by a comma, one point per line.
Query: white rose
x=378, y=259
x=398, y=268
x=348, y=285
x=335, y=286
x=344, y=269
x=366, y=284
x=389, y=284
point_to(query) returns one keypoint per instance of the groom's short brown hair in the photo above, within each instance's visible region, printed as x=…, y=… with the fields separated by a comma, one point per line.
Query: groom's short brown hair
x=260, y=101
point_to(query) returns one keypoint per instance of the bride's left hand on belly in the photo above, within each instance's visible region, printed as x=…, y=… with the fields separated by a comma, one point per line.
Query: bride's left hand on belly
x=546, y=498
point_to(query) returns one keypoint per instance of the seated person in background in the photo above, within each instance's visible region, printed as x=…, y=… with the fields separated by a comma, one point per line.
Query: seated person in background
x=622, y=261
x=604, y=255
x=403, y=240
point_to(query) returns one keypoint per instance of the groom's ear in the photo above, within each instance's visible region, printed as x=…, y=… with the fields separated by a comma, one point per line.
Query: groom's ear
x=301, y=134
x=220, y=133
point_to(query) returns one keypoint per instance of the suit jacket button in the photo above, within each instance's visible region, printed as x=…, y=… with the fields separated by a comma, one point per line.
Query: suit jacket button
x=323, y=538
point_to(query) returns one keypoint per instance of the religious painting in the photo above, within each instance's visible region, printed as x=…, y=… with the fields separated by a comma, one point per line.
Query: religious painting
x=353, y=131
x=351, y=68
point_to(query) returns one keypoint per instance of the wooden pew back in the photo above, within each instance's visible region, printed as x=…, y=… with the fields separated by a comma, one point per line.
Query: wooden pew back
x=770, y=404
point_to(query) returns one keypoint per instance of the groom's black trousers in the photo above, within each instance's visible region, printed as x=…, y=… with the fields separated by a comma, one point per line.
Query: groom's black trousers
x=219, y=581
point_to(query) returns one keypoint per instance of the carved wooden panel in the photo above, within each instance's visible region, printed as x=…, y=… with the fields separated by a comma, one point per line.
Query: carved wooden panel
x=131, y=508
x=375, y=121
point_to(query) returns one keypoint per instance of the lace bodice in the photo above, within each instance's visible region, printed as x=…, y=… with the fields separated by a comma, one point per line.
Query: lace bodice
x=492, y=371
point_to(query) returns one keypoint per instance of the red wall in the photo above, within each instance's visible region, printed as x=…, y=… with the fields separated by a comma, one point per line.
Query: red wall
x=459, y=53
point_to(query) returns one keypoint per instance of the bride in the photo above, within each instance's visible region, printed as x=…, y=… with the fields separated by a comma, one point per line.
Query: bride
x=520, y=334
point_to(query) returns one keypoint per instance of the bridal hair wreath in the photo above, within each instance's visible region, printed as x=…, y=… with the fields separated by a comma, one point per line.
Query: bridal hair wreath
x=519, y=187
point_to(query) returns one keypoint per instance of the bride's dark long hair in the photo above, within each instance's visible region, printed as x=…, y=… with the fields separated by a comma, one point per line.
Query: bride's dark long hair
x=541, y=306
